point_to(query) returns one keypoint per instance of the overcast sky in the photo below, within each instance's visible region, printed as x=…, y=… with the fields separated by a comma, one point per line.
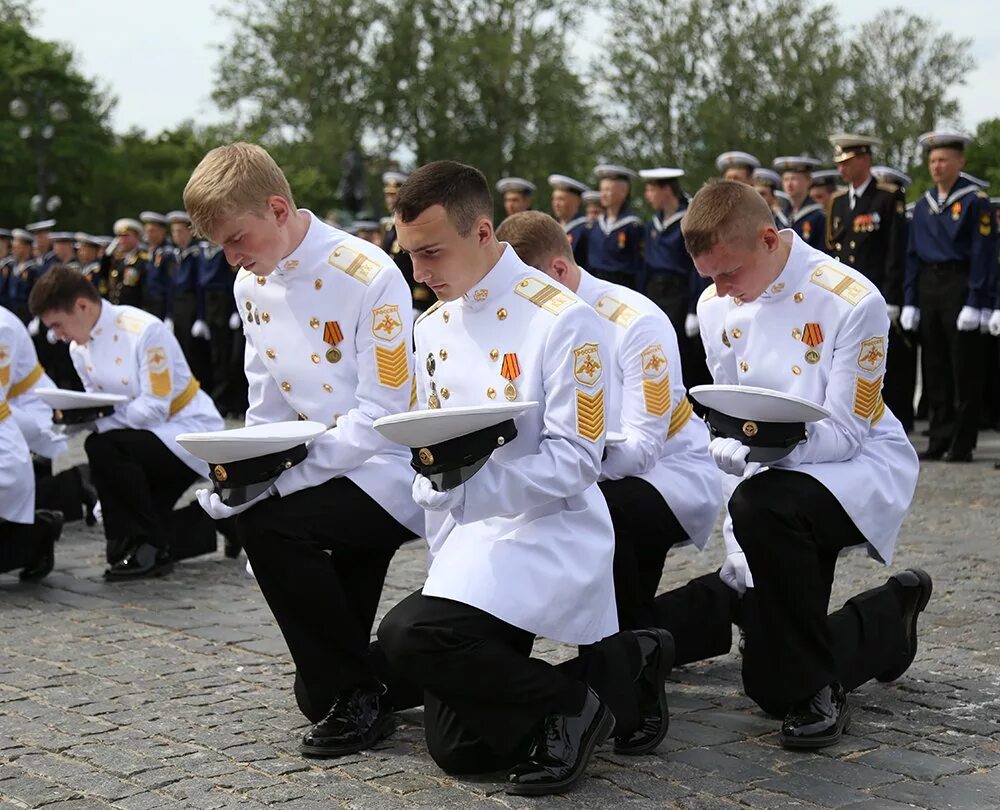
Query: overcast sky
x=159, y=58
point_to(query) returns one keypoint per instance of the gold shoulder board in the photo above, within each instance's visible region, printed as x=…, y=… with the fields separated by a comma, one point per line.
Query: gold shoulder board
x=615, y=311
x=546, y=296
x=836, y=281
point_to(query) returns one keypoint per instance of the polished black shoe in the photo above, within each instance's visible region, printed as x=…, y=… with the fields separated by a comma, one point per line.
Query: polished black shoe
x=958, y=458
x=89, y=495
x=142, y=560
x=357, y=720
x=915, y=592
x=818, y=721
x=560, y=752
x=931, y=454
x=50, y=523
x=657, y=648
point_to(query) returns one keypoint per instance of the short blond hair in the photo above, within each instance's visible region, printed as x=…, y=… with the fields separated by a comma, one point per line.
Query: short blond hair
x=536, y=238
x=724, y=211
x=230, y=181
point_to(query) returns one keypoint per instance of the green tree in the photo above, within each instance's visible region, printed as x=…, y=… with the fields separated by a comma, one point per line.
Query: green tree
x=982, y=156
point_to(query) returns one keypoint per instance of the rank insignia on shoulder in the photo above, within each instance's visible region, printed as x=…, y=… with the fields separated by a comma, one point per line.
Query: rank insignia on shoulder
x=615, y=311
x=547, y=296
x=871, y=356
x=355, y=264
x=709, y=293
x=839, y=283
x=386, y=323
x=587, y=366
x=590, y=414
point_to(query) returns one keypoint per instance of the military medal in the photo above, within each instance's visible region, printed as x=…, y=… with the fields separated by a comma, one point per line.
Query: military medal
x=510, y=370
x=812, y=336
x=725, y=339
x=431, y=365
x=432, y=400
x=332, y=335
x=812, y=357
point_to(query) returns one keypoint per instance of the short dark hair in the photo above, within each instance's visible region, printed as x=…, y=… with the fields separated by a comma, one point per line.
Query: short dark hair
x=673, y=184
x=462, y=191
x=58, y=290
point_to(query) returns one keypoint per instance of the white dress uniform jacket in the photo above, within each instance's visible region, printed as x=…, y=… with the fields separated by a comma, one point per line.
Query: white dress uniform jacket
x=328, y=339
x=532, y=543
x=131, y=352
x=17, y=478
x=648, y=403
x=21, y=375
x=820, y=332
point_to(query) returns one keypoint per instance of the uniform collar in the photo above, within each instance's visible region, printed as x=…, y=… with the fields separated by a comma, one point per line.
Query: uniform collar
x=859, y=190
x=296, y=257
x=491, y=286
x=805, y=211
x=574, y=223
x=661, y=224
x=625, y=217
x=788, y=281
x=590, y=288
x=961, y=189
x=105, y=321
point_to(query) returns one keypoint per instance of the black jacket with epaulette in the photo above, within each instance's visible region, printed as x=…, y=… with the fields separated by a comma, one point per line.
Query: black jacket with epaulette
x=872, y=237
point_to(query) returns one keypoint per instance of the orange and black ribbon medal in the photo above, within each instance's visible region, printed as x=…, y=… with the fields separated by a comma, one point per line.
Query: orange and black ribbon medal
x=812, y=336
x=510, y=370
x=332, y=336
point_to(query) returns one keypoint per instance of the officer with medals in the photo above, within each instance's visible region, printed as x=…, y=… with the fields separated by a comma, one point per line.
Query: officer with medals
x=823, y=186
x=125, y=268
x=567, y=197
x=806, y=218
x=516, y=194
x=951, y=258
x=866, y=229
x=137, y=468
x=614, y=245
x=521, y=545
x=737, y=166
x=846, y=481
x=422, y=297
x=661, y=485
x=327, y=324
x=162, y=256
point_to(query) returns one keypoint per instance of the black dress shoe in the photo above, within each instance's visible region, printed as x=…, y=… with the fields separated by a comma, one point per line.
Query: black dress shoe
x=357, y=720
x=931, y=454
x=818, y=721
x=50, y=523
x=142, y=560
x=958, y=458
x=657, y=648
x=915, y=592
x=560, y=752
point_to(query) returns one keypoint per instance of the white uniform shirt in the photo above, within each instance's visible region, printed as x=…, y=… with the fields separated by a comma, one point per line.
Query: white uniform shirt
x=21, y=375
x=328, y=339
x=17, y=478
x=664, y=445
x=820, y=332
x=131, y=352
x=532, y=543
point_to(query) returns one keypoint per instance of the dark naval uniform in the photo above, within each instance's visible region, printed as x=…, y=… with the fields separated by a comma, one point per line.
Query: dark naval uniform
x=158, y=281
x=809, y=222
x=577, y=231
x=124, y=278
x=871, y=237
x=420, y=294
x=614, y=249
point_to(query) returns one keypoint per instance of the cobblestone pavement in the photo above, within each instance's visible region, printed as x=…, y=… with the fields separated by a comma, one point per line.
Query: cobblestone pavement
x=177, y=693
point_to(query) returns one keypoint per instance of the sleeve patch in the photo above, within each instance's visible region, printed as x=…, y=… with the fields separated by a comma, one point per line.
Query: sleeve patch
x=839, y=283
x=587, y=366
x=657, y=396
x=590, y=414
x=391, y=365
x=654, y=361
x=386, y=323
x=868, y=402
x=159, y=372
x=871, y=356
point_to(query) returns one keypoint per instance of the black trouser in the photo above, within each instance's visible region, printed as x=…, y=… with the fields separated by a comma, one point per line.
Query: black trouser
x=62, y=491
x=184, y=317
x=792, y=529
x=625, y=279
x=901, y=375
x=320, y=556
x=952, y=361
x=19, y=544
x=138, y=481
x=55, y=359
x=645, y=529
x=218, y=308
x=484, y=696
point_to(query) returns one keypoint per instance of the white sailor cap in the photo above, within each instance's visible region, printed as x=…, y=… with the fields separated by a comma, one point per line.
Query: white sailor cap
x=244, y=462
x=391, y=181
x=82, y=238
x=825, y=177
x=104, y=241
x=178, y=216
x=795, y=163
x=21, y=235
x=654, y=175
x=506, y=184
x=5, y=233
x=123, y=226
x=41, y=225
x=781, y=194
x=591, y=197
x=766, y=177
x=951, y=138
x=75, y=407
x=152, y=217
x=847, y=145
x=736, y=158
x=450, y=445
x=614, y=172
x=983, y=184
x=770, y=422
x=564, y=183
x=887, y=174
x=61, y=236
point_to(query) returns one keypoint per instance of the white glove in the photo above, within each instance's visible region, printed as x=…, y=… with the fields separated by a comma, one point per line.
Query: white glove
x=730, y=456
x=426, y=497
x=968, y=319
x=984, y=320
x=212, y=503
x=99, y=514
x=995, y=323
x=736, y=573
x=909, y=319
x=199, y=329
x=33, y=326
x=50, y=336
x=892, y=311
x=691, y=325
x=169, y=323
x=234, y=321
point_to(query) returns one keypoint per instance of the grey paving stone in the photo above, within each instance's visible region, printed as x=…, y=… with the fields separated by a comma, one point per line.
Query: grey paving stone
x=915, y=764
x=818, y=791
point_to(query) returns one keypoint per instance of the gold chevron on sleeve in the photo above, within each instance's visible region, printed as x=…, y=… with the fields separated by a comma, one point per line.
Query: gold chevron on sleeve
x=590, y=414
x=680, y=416
x=391, y=365
x=868, y=402
x=413, y=392
x=657, y=395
